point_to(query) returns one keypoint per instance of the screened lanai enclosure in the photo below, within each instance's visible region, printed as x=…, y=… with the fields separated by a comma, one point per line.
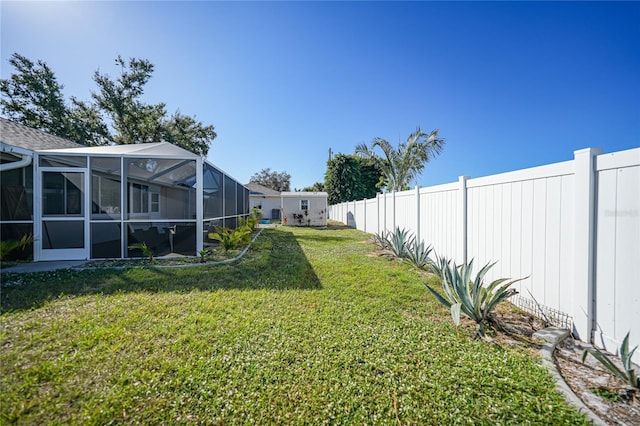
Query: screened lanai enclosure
x=95, y=202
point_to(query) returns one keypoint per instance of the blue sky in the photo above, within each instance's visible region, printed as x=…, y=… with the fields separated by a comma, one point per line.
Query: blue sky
x=510, y=85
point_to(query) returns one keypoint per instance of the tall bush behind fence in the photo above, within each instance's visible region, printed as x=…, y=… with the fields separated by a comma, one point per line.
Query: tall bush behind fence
x=573, y=226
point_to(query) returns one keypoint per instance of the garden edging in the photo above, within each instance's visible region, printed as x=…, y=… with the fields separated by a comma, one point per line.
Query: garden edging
x=552, y=336
x=188, y=265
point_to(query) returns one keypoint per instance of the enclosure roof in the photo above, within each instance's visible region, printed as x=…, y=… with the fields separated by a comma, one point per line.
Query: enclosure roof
x=21, y=136
x=159, y=149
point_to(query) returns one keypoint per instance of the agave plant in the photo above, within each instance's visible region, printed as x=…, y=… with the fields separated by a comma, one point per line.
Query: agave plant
x=418, y=254
x=438, y=266
x=382, y=240
x=146, y=250
x=629, y=374
x=399, y=242
x=470, y=296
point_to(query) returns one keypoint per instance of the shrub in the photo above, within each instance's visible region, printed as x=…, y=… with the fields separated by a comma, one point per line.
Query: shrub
x=146, y=251
x=8, y=246
x=231, y=238
x=629, y=374
x=470, y=296
x=257, y=214
x=203, y=254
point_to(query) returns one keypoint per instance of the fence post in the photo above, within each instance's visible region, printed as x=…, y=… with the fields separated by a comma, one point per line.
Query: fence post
x=418, y=214
x=378, y=211
x=462, y=218
x=584, y=240
x=364, y=202
x=393, y=203
x=384, y=210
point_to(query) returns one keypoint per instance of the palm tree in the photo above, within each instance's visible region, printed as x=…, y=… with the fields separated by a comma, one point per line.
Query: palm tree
x=403, y=164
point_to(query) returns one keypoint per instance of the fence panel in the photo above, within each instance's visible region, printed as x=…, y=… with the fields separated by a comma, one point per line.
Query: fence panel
x=438, y=219
x=371, y=212
x=405, y=208
x=516, y=219
x=618, y=249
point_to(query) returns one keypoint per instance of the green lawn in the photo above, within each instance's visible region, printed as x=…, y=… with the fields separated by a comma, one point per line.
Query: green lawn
x=306, y=329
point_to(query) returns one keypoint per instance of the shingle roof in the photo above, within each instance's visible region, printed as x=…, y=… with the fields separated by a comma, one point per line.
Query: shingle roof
x=256, y=188
x=16, y=134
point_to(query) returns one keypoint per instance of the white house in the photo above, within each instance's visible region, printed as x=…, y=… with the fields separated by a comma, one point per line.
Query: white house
x=304, y=208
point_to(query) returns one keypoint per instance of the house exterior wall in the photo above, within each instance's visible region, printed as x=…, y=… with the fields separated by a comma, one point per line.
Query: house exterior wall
x=317, y=210
x=267, y=203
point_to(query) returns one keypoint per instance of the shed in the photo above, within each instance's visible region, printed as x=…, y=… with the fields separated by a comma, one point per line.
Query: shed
x=304, y=208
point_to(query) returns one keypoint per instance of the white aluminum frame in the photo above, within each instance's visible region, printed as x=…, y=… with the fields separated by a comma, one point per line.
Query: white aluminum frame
x=40, y=253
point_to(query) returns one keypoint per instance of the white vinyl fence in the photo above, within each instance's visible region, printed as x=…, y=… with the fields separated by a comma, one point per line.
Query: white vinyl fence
x=573, y=228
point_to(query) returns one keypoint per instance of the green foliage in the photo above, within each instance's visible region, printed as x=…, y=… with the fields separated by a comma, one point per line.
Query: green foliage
x=629, y=375
x=257, y=214
x=146, y=250
x=32, y=96
x=278, y=181
x=607, y=394
x=351, y=178
x=298, y=217
x=231, y=239
x=8, y=246
x=418, y=254
x=203, y=255
x=250, y=221
x=470, y=296
x=399, y=242
x=316, y=187
x=403, y=164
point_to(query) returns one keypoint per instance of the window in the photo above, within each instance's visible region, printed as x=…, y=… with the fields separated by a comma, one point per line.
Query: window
x=142, y=199
x=105, y=188
x=304, y=204
x=105, y=193
x=155, y=202
x=139, y=198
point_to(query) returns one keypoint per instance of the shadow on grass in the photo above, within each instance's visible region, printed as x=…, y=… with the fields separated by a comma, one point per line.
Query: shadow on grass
x=275, y=261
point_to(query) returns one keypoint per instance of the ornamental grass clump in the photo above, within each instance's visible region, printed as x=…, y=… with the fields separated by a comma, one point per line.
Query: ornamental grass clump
x=629, y=374
x=470, y=296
